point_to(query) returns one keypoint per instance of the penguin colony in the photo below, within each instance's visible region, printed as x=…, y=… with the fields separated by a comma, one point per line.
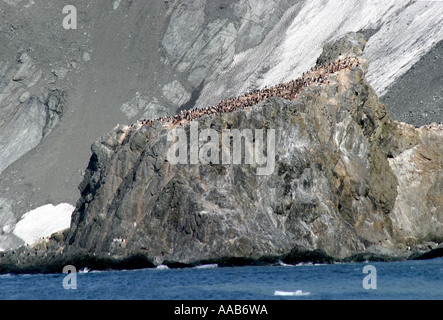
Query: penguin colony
x=289, y=90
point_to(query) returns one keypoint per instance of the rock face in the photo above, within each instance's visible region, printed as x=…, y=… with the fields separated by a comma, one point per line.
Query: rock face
x=62, y=89
x=28, y=113
x=348, y=183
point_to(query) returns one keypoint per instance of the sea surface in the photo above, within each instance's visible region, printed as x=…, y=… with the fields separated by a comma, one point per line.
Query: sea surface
x=416, y=280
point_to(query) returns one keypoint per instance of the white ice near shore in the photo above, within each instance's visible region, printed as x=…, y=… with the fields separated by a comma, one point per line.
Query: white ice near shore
x=162, y=267
x=43, y=221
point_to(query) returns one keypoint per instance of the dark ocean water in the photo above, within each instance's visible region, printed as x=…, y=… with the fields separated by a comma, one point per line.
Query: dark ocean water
x=393, y=280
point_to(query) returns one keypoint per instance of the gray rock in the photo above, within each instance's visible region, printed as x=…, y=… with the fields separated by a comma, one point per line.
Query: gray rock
x=24, y=97
x=55, y=108
x=225, y=48
x=176, y=94
x=119, y=53
x=334, y=189
x=22, y=132
x=341, y=189
x=202, y=48
x=352, y=44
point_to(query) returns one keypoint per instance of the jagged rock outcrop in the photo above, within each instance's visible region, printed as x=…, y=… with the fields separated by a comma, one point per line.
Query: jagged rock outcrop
x=130, y=60
x=348, y=183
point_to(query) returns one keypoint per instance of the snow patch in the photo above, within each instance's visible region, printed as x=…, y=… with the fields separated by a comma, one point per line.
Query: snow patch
x=43, y=221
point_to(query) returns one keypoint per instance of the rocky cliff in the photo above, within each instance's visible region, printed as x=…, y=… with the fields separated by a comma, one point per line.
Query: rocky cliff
x=348, y=183
x=62, y=89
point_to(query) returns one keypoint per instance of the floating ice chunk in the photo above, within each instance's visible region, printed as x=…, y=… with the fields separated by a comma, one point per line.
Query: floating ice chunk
x=207, y=266
x=291, y=293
